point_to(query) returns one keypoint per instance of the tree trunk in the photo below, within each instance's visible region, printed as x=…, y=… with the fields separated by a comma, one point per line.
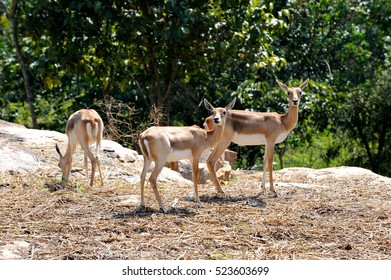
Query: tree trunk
x=372, y=160
x=27, y=78
x=280, y=150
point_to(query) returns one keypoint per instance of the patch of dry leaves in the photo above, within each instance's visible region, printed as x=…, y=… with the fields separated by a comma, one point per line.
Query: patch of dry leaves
x=334, y=219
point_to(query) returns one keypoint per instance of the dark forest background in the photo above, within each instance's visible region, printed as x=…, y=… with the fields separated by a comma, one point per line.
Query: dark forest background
x=152, y=62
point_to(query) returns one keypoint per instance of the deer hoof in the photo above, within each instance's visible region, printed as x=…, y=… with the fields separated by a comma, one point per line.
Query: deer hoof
x=274, y=194
x=220, y=194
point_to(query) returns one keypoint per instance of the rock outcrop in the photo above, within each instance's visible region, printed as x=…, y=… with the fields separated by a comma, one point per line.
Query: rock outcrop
x=24, y=151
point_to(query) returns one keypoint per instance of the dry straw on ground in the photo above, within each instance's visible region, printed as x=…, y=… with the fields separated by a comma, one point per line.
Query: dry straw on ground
x=319, y=216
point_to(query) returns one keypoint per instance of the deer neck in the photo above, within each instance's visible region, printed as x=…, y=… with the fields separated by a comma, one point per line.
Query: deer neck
x=69, y=152
x=291, y=117
x=214, y=135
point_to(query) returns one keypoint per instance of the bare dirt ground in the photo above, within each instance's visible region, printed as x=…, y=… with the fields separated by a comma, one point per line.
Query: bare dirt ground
x=336, y=213
x=341, y=220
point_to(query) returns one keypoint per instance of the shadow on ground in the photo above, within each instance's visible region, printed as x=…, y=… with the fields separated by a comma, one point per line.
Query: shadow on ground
x=141, y=212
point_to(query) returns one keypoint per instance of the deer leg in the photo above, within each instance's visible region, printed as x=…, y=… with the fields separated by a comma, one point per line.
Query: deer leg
x=194, y=166
x=67, y=171
x=211, y=162
x=263, y=191
x=87, y=153
x=268, y=164
x=93, y=164
x=147, y=164
x=153, y=178
x=97, y=157
x=86, y=164
x=100, y=170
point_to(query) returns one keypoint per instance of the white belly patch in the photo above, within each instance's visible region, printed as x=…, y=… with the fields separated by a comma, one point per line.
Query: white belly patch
x=255, y=139
x=176, y=155
x=249, y=139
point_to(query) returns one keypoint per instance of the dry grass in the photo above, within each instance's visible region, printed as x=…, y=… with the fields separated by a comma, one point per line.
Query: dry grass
x=348, y=219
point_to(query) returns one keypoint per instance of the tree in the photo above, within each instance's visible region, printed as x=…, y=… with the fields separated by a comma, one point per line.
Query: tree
x=171, y=54
x=12, y=14
x=152, y=52
x=345, y=47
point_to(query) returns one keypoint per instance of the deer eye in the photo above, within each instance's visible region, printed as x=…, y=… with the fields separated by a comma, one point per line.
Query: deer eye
x=224, y=113
x=289, y=92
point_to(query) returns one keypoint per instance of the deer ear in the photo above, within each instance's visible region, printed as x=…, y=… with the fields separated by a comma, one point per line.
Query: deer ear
x=303, y=85
x=58, y=150
x=284, y=87
x=231, y=105
x=208, y=106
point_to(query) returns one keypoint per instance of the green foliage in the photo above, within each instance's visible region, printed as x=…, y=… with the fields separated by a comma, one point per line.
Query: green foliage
x=345, y=47
x=171, y=54
x=325, y=150
x=367, y=110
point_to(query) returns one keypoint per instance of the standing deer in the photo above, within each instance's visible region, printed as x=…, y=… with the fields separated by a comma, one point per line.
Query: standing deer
x=247, y=128
x=84, y=127
x=168, y=143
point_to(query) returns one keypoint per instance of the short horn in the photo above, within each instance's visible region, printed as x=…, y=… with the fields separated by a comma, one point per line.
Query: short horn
x=58, y=150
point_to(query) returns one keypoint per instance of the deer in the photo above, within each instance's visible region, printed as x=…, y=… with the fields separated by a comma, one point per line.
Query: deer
x=84, y=127
x=247, y=128
x=161, y=144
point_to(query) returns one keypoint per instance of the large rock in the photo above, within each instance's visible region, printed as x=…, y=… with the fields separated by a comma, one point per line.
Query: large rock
x=21, y=148
x=327, y=177
x=115, y=150
x=19, y=160
x=223, y=167
x=184, y=168
x=24, y=151
x=11, y=133
x=15, y=250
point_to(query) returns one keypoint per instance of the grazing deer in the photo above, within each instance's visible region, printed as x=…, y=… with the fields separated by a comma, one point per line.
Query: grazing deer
x=168, y=143
x=84, y=127
x=247, y=128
